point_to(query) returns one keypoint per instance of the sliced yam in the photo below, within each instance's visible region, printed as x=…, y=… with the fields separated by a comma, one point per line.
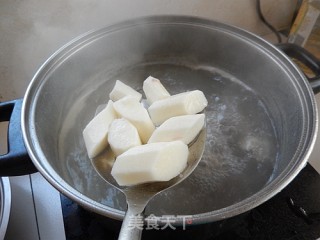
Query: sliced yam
x=151, y=162
x=176, y=105
x=122, y=136
x=132, y=110
x=154, y=90
x=121, y=90
x=96, y=132
x=184, y=128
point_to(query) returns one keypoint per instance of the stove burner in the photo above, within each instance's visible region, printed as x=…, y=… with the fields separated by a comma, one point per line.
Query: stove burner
x=292, y=214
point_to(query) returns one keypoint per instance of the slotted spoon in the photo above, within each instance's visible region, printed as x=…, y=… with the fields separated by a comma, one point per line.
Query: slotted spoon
x=138, y=196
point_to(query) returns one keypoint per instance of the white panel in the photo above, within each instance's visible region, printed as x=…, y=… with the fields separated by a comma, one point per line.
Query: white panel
x=48, y=209
x=22, y=222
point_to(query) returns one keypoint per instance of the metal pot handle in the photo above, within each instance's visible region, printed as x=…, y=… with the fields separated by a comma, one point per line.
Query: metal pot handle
x=16, y=162
x=302, y=55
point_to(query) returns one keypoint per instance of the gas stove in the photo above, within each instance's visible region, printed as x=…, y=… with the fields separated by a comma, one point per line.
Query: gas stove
x=41, y=212
x=292, y=214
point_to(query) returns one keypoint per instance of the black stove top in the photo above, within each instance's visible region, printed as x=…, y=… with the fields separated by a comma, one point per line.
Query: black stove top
x=292, y=214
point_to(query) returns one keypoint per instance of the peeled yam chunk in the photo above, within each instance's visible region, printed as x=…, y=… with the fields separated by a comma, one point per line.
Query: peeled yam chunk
x=121, y=90
x=96, y=132
x=184, y=128
x=176, y=105
x=122, y=136
x=132, y=110
x=151, y=162
x=154, y=90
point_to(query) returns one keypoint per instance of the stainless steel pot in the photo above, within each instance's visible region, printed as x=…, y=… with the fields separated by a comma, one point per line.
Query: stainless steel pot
x=5, y=205
x=262, y=118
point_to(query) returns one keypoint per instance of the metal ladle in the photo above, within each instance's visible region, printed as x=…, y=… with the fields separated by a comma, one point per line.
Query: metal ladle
x=138, y=196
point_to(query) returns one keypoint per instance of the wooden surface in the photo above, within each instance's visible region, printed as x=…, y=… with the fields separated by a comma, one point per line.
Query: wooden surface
x=313, y=42
x=313, y=46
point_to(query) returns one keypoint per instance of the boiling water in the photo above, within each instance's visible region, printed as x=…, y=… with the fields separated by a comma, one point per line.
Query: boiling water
x=240, y=153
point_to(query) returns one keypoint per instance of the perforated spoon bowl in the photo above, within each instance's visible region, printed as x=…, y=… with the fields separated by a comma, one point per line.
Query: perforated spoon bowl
x=138, y=196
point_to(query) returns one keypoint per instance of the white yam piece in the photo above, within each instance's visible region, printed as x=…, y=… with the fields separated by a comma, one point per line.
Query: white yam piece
x=151, y=162
x=132, y=110
x=122, y=136
x=176, y=105
x=96, y=132
x=184, y=128
x=154, y=90
x=121, y=90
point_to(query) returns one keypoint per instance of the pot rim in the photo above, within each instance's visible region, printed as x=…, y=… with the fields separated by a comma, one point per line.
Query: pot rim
x=296, y=165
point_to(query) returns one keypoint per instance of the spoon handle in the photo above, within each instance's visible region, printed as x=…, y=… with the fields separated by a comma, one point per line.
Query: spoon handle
x=132, y=224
